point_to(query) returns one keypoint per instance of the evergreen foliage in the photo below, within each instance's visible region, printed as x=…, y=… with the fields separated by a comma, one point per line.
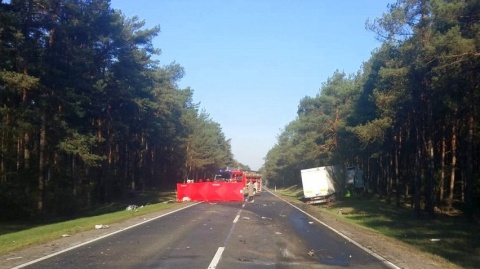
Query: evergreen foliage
x=409, y=118
x=87, y=115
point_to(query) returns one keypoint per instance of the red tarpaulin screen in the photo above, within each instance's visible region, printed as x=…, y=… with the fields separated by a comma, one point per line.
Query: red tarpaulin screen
x=210, y=191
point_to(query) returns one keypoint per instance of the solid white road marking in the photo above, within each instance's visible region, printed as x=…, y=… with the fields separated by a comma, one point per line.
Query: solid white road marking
x=218, y=255
x=382, y=259
x=98, y=238
x=216, y=258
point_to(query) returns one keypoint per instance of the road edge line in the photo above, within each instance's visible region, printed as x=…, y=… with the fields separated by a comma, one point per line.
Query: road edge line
x=98, y=238
x=369, y=251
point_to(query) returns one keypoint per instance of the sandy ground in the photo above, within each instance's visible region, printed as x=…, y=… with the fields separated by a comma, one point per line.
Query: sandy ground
x=398, y=253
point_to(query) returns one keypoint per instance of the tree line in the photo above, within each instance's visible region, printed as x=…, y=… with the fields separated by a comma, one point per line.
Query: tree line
x=409, y=117
x=87, y=114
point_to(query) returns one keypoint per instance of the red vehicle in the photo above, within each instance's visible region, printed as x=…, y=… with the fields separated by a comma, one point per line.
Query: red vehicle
x=227, y=185
x=230, y=176
x=256, y=178
x=241, y=176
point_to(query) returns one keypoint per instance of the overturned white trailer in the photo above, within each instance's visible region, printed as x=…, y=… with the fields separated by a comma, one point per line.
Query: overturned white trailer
x=321, y=184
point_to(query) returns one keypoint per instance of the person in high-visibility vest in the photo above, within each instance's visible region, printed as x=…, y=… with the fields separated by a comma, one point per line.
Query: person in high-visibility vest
x=347, y=194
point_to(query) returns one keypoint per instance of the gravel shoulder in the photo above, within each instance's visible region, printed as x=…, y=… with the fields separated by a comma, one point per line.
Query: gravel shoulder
x=398, y=253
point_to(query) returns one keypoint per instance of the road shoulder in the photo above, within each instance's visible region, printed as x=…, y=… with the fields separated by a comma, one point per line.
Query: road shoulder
x=19, y=257
x=394, y=251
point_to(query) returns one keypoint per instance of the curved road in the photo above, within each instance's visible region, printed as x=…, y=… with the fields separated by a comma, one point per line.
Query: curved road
x=269, y=233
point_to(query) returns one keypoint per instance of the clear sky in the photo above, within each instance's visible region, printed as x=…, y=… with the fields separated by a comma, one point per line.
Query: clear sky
x=250, y=62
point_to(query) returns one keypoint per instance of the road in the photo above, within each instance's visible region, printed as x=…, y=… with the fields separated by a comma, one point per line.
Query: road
x=269, y=233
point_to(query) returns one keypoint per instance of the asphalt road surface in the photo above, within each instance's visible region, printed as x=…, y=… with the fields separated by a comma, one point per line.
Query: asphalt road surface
x=269, y=233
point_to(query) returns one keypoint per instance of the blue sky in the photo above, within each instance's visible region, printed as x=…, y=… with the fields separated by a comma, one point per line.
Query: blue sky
x=250, y=62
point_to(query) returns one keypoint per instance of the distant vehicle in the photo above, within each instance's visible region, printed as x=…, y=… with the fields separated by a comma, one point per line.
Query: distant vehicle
x=241, y=176
x=256, y=178
x=230, y=176
x=355, y=179
x=320, y=183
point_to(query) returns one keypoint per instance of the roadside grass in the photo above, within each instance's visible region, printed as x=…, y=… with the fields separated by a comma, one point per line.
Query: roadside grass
x=15, y=236
x=447, y=236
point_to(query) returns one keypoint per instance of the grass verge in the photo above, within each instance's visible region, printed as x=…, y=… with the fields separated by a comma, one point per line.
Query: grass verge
x=450, y=237
x=24, y=235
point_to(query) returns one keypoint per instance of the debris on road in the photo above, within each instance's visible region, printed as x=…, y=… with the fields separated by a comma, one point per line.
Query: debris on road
x=101, y=226
x=14, y=258
x=311, y=253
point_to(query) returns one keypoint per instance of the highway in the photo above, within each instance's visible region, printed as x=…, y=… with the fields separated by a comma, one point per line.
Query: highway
x=269, y=233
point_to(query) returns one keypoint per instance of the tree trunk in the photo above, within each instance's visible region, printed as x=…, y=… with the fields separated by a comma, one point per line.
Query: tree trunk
x=398, y=139
x=469, y=173
x=453, y=166
x=41, y=166
x=417, y=177
x=26, y=151
x=443, y=154
x=429, y=178
x=3, y=147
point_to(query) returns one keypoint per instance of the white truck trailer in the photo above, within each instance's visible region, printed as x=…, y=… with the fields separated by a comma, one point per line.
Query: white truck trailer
x=320, y=184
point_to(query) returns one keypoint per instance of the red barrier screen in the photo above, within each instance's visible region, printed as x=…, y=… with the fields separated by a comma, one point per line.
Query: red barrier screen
x=210, y=191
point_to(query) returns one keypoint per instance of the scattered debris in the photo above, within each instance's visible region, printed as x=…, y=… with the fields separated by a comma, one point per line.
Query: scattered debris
x=266, y=218
x=186, y=199
x=101, y=226
x=310, y=222
x=286, y=253
x=311, y=253
x=435, y=240
x=278, y=233
x=14, y=258
x=131, y=207
x=246, y=218
x=66, y=235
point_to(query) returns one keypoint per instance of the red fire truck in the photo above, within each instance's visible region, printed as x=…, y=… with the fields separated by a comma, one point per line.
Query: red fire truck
x=230, y=176
x=241, y=177
x=256, y=179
